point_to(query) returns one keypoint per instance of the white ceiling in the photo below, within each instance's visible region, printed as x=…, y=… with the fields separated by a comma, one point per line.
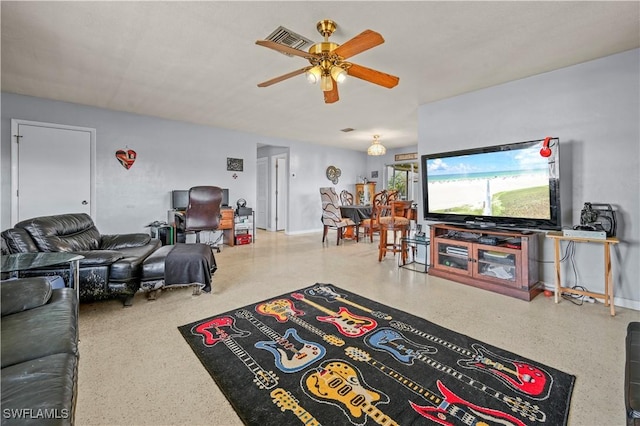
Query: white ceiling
x=198, y=61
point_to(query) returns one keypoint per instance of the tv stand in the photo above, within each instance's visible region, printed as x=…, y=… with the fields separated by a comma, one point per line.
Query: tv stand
x=497, y=260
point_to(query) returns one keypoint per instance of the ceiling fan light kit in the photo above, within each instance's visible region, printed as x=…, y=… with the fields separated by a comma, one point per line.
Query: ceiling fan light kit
x=327, y=60
x=376, y=147
x=313, y=74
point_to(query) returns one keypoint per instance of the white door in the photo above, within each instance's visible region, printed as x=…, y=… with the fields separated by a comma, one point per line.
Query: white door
x=52, y=169
x=262, y=195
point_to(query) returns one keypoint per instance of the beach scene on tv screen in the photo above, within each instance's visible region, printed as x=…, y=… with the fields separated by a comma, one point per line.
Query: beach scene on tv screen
x=505, y=183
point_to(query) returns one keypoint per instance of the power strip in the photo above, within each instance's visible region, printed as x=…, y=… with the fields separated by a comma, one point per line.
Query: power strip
x=579, y=233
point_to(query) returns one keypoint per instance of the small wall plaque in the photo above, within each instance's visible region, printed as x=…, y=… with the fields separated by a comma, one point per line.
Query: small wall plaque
x=235, y=164
x=409, y=156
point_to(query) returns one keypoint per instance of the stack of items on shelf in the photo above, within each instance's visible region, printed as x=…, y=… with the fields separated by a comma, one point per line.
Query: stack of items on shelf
x=243, y=223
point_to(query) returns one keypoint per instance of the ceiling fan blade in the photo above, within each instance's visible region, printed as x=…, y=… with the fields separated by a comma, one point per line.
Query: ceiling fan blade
x=373, y=76
x=283, y=77
x=363, y=41
x=331, y=96
x=285, y=49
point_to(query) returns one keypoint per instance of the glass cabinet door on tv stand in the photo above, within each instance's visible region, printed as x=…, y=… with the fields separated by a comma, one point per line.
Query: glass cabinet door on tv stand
x=453, y=256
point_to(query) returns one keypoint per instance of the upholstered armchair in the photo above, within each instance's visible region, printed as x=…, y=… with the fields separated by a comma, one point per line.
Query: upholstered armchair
x=331, y=216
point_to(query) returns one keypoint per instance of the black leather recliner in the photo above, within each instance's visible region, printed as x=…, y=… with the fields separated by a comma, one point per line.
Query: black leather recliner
x=632, y=374
x=112, y=264
x=39, y=352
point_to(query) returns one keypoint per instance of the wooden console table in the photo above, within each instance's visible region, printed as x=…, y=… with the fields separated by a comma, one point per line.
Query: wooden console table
x=607, y=296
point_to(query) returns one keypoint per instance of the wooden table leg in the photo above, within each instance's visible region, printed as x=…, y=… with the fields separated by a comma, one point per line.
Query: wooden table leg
x=557, y=262
x=382, y=247
x=608, y=284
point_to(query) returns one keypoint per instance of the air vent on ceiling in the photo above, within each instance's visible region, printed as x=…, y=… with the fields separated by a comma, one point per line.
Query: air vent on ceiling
x=287, y=37
x=347, y=130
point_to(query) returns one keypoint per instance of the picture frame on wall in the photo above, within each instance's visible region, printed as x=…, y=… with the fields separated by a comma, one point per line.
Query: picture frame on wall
x=235, y=164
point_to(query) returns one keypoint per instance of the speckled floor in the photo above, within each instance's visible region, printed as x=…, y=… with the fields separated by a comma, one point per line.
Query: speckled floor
x=136, y=369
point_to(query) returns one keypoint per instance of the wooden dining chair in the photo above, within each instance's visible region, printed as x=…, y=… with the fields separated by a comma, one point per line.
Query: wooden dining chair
x=394, y=218
x=346, y=198
x=371, y=225
x=332, y=217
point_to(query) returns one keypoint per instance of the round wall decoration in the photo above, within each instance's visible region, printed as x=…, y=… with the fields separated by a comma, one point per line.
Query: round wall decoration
x=333, y=173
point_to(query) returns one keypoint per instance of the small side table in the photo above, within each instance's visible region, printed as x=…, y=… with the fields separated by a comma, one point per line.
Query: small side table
x=410, y=247
x=607, y=296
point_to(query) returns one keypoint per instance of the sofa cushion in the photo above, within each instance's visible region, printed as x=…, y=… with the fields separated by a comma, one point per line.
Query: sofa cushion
x=24, y=294
x=37, y=385
x=65, y=232
x=120, y=241
x=19, y=241
x=41, y=331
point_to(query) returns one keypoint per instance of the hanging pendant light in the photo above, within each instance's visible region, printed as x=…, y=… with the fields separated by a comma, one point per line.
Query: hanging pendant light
x=376, y=147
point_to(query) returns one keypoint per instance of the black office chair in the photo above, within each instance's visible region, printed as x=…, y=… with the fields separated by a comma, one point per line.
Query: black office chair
x=203, y=211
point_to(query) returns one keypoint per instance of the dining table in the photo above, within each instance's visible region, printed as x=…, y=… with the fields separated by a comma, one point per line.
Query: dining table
x=356, y=212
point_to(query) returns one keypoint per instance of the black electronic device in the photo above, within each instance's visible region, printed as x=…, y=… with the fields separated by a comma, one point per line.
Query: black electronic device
x=598, y=217
x=242, y=209
x=513, y=185
x=225, y=197
x=491, y=241
x=179, y=199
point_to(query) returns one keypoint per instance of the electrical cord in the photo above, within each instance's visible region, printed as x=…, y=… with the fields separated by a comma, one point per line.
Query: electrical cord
x=569, y=256
x=215, y=244
x=576, y=299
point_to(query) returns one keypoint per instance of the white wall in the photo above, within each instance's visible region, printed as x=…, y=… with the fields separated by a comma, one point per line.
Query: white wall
x=173, y=155
x=307, y=173
x=593, y=108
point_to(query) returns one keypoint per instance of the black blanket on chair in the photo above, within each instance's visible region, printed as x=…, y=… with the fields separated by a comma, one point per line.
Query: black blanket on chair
x=190, y=263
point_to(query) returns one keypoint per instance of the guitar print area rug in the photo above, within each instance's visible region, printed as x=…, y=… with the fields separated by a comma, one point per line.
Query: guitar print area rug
x=323, y=355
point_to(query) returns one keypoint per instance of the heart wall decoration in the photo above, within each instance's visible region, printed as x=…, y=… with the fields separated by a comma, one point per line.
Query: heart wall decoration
x=126, y=158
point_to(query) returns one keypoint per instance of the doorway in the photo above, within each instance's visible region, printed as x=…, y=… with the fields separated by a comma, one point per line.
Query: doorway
x=262, y=192
x=279, y=192
x=52, y=169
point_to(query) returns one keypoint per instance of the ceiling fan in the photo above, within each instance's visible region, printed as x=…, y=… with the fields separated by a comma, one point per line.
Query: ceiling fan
x=327, y=61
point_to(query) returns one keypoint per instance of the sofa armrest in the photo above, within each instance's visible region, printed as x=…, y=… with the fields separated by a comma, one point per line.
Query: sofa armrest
x=120, y=241
x=98, y=257
x=23, y=294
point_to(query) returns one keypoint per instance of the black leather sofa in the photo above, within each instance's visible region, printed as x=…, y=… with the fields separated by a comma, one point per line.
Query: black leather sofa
x=112, y=264
x=39, y=352
x=632, y=374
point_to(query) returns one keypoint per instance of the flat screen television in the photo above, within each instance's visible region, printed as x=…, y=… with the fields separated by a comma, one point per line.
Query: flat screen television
x=180, y=198
x=511, y=185
x=225, y=197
